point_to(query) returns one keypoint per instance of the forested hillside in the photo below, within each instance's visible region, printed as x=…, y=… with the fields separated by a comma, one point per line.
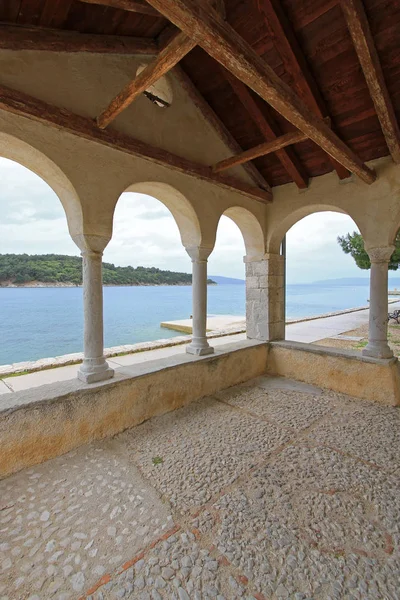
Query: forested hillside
x=20, y=269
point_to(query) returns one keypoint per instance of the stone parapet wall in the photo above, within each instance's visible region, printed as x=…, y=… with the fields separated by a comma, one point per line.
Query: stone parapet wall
x=48, y=421
x=343, y=371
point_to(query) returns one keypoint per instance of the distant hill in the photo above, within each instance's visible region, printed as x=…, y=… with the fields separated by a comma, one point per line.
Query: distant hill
x=62, y=270
x=227, y=280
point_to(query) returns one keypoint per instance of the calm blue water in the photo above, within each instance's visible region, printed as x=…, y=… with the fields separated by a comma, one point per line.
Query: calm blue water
x=36, y=323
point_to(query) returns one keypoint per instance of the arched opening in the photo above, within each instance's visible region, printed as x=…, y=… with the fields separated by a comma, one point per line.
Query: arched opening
x=41, y=306
x=324, y=284
x=239, y=234
x=150, y=281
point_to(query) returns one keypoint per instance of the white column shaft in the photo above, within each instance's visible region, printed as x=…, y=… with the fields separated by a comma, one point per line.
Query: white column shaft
x=378, y=311
x=94, y=366
x=199, y=344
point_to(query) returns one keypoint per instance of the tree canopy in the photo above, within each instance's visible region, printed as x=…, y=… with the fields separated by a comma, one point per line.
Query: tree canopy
x=353, y=244
x=59, y=268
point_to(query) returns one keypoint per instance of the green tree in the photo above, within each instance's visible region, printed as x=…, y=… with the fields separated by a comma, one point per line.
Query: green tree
x=353, y=244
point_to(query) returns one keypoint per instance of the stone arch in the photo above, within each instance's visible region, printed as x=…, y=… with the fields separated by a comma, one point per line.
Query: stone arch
x=28, y=156
x=178, y=205
x=277, y=233
x=250, y=227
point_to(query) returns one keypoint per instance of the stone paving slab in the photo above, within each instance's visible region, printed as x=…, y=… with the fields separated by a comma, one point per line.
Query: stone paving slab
x=199, y=460
x=270, y=490
x=67, y=522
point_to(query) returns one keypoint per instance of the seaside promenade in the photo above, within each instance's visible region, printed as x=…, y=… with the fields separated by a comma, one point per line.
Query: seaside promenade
x=308, y=331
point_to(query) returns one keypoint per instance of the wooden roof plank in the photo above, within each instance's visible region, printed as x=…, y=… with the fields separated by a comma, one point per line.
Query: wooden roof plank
x=288, y=159
x=54, y=13
x=212, y=118
x=221, y=42
x=20, y=37
x=295, y=62
x=29, y=107
x=137, y=6
x=360, y=32
x=261, y=150
x=179, y=46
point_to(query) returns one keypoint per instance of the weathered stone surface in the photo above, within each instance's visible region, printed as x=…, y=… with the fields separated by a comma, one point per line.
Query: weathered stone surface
x=279, y=490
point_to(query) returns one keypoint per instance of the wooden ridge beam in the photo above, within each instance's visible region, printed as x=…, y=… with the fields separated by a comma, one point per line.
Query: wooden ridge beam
x=22, y=104
x=287, y=157
x=137, y=6
x=261, y=150
x=179, y=46
x=215, y=122
x=295, y=62
x=357, y=23
x=20, y=37
x=223, y=44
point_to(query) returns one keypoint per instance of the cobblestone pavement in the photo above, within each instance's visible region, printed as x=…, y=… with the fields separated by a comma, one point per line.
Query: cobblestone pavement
x=269, y=490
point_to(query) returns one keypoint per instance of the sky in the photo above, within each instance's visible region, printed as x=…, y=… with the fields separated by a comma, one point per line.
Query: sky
x=145, y=233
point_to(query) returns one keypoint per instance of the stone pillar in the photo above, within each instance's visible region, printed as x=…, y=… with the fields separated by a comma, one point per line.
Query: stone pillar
x=265, y=297
x=378, y=303
x=94, y=367
x=199, y=344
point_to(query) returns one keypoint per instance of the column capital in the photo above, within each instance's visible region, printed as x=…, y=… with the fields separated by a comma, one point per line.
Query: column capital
x=198, y=253
x=381, y=254
x=91, y=243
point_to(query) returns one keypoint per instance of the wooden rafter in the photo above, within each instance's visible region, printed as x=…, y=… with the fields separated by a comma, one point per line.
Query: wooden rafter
x=20, y=37
x=360, y=32
x=24, y=105
x=215, y=122
x=287, y=157
x=261, y=150
x=137, y=6
x=179, y=46
x=222, y=43
x=295, y=63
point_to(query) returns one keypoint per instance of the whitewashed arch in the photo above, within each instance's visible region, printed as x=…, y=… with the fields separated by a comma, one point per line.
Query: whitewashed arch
x=277, y=232
x=250, y=227
x=178, y=205
x=28, y=156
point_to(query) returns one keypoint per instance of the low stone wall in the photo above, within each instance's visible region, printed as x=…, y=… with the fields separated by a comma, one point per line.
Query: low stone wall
x=50, y=420
x=342, y=371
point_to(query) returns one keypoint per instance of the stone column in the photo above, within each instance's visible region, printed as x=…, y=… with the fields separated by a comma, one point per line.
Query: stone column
x=199, y=344
x=378, y=303
x=265, y=297
x=94, y=367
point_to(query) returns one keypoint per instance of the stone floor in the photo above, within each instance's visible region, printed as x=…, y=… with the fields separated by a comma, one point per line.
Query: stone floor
x=269, y=490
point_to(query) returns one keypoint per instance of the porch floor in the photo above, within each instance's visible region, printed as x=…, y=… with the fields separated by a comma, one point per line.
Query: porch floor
x=272, y=489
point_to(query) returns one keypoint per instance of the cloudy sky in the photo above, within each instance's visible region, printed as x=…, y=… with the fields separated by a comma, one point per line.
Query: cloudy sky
x=33, y=221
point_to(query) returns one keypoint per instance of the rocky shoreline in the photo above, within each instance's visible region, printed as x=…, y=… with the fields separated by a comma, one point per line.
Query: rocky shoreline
x=56, y=284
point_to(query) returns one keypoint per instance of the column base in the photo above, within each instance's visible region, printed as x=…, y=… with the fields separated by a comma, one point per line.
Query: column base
x=199, y=351
x=377, y=350
x=93, y=370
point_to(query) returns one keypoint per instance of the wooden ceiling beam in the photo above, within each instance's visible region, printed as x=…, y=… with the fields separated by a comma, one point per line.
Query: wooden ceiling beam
x=295, y=62
x=287, y=157
x=20, y=37
x=137, y=6
x=23, y=105
x=227, y=47
x=360, y=32
x=261, y=150
x=179, y=46
x=217, y=125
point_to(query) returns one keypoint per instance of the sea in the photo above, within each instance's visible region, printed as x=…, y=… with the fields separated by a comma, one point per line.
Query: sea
x=44, y=322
